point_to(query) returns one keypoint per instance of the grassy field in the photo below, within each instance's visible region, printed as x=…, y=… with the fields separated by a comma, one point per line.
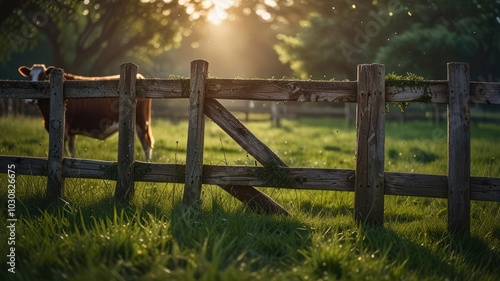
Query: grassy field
x=88, y=237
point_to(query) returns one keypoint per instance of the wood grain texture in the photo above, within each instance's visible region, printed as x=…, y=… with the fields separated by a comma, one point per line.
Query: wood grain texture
x=24, y=89
x=459, y=148
x=282, y=90
x=55, y=180
x=370, y=135
x=485, y=93
x=32, y=166
x=404, y=184
x=196, y=133
x=124, y=190
x=432, y=91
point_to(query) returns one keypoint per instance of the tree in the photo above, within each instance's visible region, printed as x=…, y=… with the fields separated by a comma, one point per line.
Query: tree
x=337, y=36
x=90, y=36
x=445, y=31
x=417, y=37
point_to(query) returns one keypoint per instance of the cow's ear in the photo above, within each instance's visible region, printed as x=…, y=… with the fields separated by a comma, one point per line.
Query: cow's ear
x=24, y=71
x=48, y=70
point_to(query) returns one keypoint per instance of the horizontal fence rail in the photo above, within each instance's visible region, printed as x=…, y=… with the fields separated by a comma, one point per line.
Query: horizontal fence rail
x=368, y=180
x=408, y=184
x=253, y=89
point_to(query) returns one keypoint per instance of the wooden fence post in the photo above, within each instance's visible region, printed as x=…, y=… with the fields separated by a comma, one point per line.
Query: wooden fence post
x=370, y=131
x=196, y=131
x=459, y=147
x=124, y=190
x=55, y=180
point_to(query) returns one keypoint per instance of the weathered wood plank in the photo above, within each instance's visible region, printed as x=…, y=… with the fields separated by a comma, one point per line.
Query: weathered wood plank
x=11, y=89
x=156, y=172
x=485, y=92
x=196, y=133
x=436, y=186
x=33, y=166
x=150, y=88
x=124, y=190
x=91, y=88
x=55, y=180
x=434, y=91
x=163, y=88
x=292, y=178
x=282, y=90
x=459, y=148
x=421, y=185
x=485, y=189
x=404, y=184
x=89, y=169
x=428, y=91
x=370, y=134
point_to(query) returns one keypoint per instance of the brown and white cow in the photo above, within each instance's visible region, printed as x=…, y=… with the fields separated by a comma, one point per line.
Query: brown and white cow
x=96, y=118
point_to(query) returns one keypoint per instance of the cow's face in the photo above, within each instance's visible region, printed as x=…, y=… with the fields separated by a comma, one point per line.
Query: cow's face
x=38, y=72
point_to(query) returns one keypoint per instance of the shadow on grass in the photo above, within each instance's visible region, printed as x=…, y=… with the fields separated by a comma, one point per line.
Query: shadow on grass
x=402, y=217
x=475, y=252
x=316, y=209
x=222, y=236
x=258, y=240
x=406, y=253
x=462, y=253
x=221, y=233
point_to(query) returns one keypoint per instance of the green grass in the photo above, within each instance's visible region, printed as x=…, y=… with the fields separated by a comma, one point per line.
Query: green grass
x=88, y=237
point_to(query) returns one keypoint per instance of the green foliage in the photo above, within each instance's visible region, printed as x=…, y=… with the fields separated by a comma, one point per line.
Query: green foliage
x=411, y=80
x=447, y=31
x=420, y=36
x=308, y=53
x=90, y=36
x=336, y=36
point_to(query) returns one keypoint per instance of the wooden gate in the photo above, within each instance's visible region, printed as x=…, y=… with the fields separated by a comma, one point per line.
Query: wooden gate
x=368, y=180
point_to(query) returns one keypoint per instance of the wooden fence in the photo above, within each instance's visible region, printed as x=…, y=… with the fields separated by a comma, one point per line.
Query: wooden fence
x=368, y=181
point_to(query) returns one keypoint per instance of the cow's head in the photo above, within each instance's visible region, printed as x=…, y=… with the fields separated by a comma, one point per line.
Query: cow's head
x=38, y=72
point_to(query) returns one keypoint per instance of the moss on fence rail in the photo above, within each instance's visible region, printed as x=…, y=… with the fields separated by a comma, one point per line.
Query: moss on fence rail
x=411, y=81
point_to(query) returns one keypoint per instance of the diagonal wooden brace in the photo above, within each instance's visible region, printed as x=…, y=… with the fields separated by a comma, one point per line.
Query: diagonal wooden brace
x=249, y=195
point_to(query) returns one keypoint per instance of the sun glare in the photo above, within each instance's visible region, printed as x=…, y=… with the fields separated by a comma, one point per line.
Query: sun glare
x=217, y=13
